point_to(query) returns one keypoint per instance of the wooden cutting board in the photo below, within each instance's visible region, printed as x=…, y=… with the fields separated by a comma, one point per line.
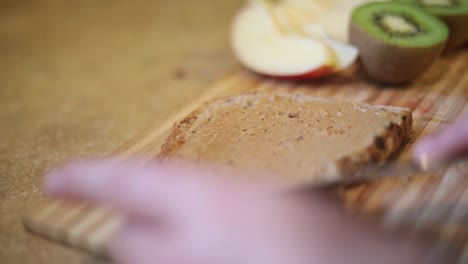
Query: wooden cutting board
x=435, y=206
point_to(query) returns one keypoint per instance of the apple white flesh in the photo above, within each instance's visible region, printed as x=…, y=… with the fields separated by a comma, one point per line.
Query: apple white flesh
x=334, y=15
x=341, y=54
x=346, y=54
x=260, y=46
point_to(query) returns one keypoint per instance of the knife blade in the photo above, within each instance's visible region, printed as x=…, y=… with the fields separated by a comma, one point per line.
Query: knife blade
x=388, y=170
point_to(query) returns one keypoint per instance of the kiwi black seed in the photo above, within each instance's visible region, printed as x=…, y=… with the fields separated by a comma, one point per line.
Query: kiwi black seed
x=397, y=42
x=453, y=12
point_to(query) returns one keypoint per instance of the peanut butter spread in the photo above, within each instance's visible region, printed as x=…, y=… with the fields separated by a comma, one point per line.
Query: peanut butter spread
x=295, y=136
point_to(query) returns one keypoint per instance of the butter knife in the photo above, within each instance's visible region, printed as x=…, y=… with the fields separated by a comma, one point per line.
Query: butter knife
x=388, y=170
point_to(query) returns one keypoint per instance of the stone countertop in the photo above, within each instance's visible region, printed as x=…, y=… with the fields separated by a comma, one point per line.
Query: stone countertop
x=79, y=78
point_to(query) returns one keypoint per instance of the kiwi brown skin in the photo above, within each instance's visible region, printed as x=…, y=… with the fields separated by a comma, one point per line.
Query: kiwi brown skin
x=458, y=26
x=391, y=64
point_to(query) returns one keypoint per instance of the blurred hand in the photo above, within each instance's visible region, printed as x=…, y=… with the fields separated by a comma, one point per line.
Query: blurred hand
x=196, y=215
x=450, y=142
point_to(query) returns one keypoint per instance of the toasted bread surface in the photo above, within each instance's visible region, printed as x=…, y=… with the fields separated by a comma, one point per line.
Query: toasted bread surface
x=298, y=137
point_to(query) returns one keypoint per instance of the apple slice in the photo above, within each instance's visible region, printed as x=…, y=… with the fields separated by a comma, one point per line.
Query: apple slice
x=333, y=15
x=342, y=54
x=305, y=11
x=345, y=54
x=261, y=46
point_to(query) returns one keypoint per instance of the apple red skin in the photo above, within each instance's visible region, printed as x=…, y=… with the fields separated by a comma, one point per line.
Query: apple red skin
x=312, y=75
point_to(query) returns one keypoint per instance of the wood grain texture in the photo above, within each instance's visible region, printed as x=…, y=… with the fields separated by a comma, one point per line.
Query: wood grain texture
x=434, y=206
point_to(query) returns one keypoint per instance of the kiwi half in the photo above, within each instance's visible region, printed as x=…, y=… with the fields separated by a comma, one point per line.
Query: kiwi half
x=453, y=12
x=397, y=42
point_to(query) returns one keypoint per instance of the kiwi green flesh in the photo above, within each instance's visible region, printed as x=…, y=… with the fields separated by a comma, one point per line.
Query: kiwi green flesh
x=455, y=15
x=441, y=7
x=400, y=24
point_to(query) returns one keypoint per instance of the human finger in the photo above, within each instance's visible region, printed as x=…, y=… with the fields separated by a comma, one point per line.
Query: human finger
x=450, y=142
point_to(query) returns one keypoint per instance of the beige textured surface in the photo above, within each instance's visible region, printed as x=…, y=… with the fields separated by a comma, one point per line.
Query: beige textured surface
x=78, y=78
x=302, y=138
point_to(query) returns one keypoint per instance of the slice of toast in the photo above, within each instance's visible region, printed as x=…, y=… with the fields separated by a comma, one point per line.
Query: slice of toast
x=301, y=138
